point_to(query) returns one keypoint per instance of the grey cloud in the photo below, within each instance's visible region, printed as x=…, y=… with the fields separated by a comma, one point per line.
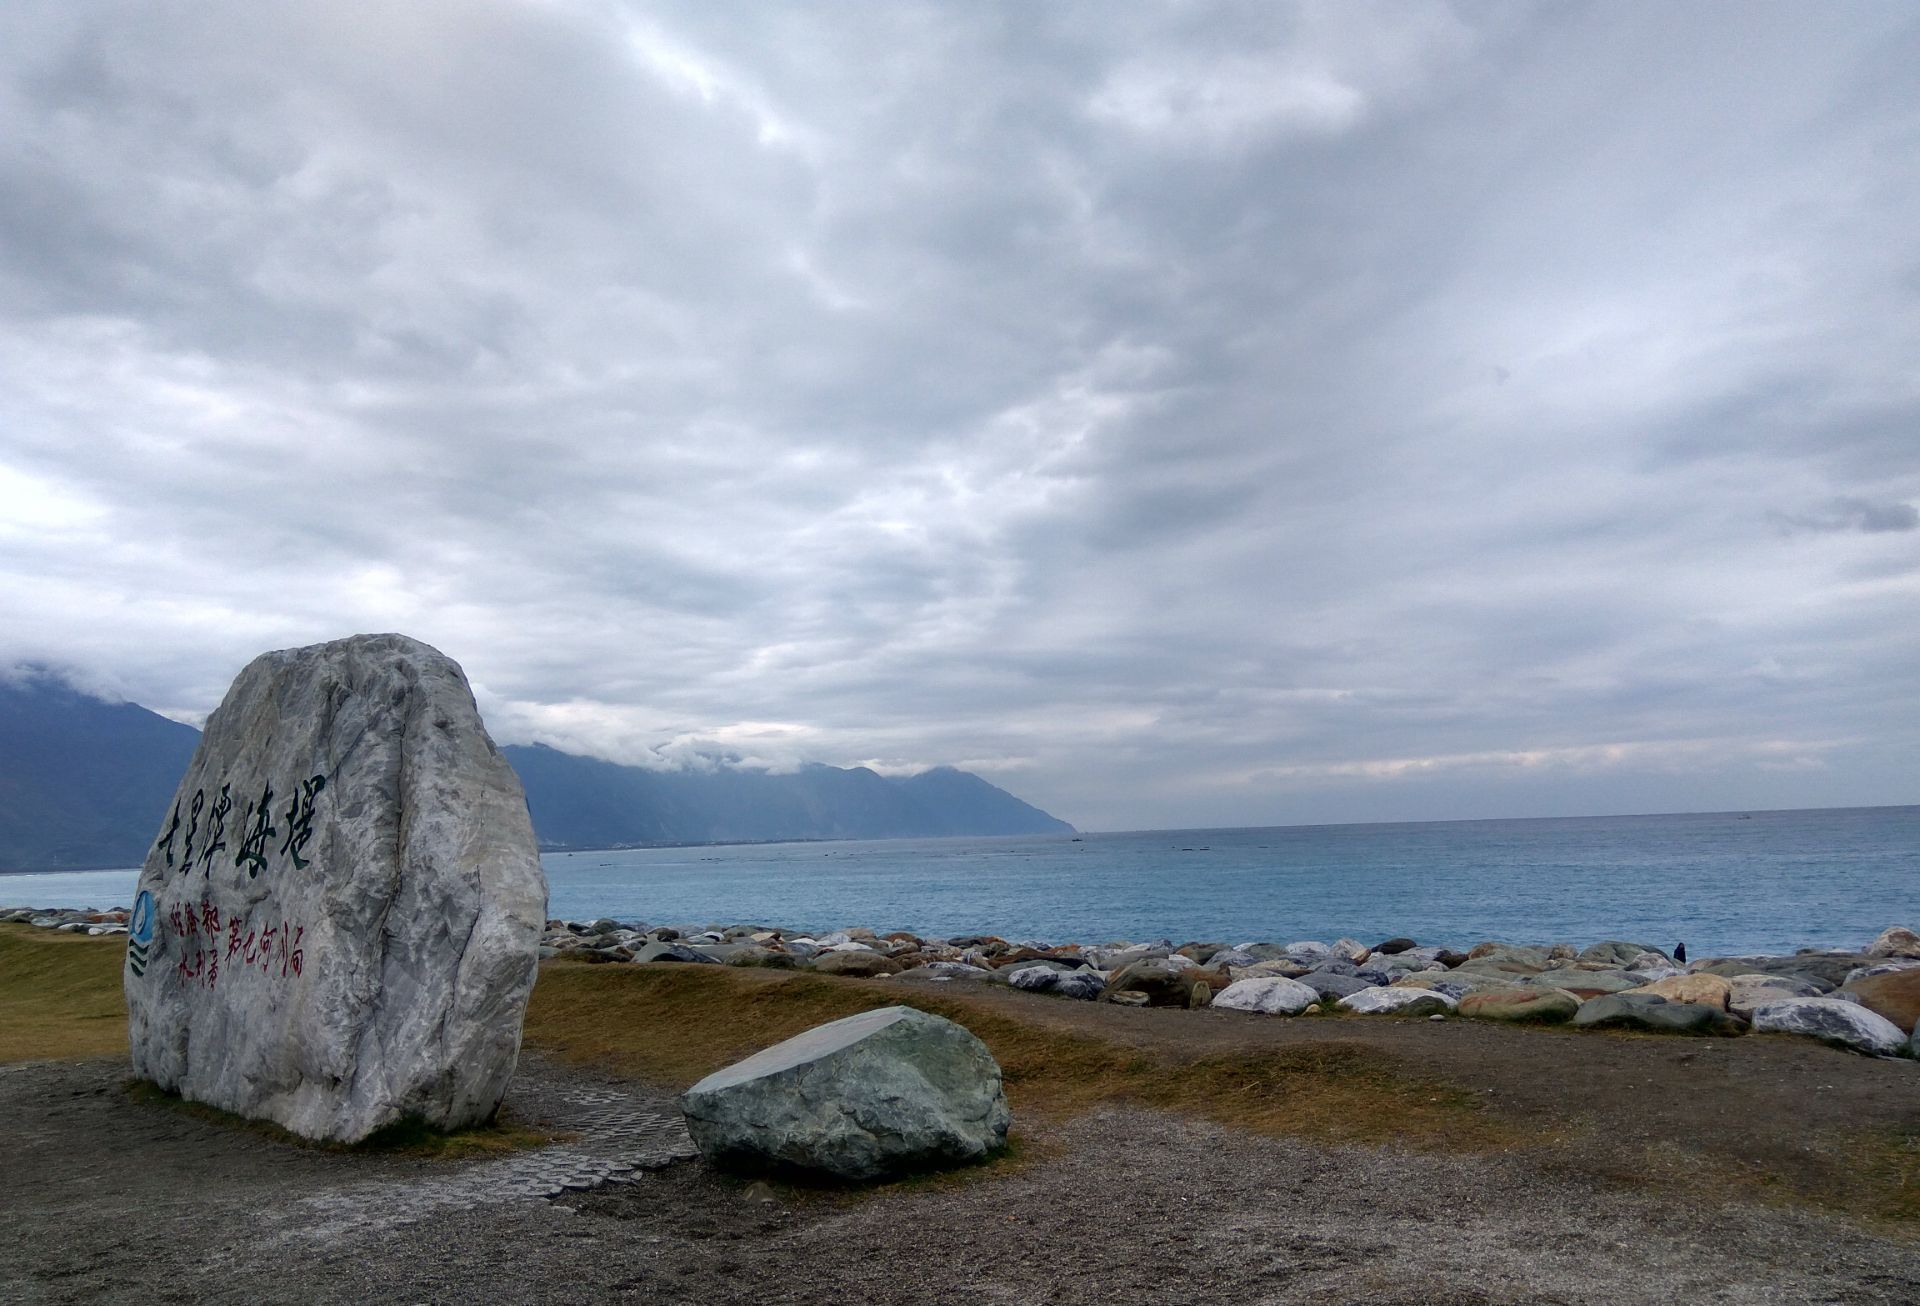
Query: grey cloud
x=1047, y=384
x=1849, y=514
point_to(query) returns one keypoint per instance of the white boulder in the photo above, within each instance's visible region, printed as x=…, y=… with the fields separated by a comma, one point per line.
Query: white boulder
x=1401, y=1002
x=1832, y=1020
x=1272, y=996
x=1086, y=985
x=338, y=925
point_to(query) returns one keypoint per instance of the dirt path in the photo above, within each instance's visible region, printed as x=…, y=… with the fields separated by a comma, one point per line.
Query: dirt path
x=1770, y=1112
x=109, y=1198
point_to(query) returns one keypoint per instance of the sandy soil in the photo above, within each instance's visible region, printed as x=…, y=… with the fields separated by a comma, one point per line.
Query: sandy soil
x=1633, y=1195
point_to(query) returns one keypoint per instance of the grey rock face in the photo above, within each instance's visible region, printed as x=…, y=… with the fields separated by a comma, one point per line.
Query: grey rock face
x=337, y=926
x=1895, y=941
x=1272, y=996
x=879, y=1093
x=1831, y=1020
x=1745, y=993
x=1308, y=952
x=1330, y=984
x=1648, y=1011
x=1398, y=1002
x=672, y=951
x=1086, y=985
x=1618, y=953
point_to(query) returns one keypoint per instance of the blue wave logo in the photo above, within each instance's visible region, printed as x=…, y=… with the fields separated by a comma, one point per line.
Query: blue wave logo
x=140, y=933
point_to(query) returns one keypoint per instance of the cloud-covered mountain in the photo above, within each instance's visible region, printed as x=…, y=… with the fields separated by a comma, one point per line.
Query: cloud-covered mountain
x=581, y=802
x=83, y=784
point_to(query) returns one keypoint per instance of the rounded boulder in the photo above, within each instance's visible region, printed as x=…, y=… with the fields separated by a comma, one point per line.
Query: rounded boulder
x=1398, y=1002
x=1831, y=1020
x=1893, y=994
x=1705, y=990
x=882, y=1093
x=1534, y=1006
x=1270, y=996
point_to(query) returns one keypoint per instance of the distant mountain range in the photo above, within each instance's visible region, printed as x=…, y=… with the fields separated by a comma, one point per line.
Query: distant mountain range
x=581, y=802
x=83, y=784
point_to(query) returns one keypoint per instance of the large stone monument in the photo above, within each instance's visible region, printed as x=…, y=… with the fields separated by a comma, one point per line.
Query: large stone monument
x=338, y=925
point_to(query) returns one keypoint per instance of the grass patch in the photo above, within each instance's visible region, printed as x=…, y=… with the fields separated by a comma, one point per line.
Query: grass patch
x=404, y=1138
x=673, y=1024
x=1889, y=1163
x=60, y=995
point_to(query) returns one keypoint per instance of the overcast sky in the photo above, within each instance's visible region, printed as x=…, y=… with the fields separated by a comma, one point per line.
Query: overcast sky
x=1189, y=414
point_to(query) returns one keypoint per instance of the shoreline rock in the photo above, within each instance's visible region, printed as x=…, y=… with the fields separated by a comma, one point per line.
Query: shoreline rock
x=1507, y=979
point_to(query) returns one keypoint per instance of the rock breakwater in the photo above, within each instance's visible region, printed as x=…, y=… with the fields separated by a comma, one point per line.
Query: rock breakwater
x=1865, y=999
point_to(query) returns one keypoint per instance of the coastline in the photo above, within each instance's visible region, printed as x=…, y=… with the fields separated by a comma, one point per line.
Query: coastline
x=1865, y=999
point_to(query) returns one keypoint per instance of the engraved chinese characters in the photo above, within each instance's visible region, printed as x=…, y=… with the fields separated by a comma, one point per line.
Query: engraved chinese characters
x=341, y=910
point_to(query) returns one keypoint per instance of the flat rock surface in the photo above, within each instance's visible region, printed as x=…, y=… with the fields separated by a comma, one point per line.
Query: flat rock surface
x=112, y=1200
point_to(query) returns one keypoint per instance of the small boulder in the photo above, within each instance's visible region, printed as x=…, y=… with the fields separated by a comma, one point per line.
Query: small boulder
x=1309, y=953
x=672, y=952
x=1881, y=968
x=1706, y=990
x=1895, y=941
x=1442, y=982
x=1328, y=984
x=1492, y=951
x=1454, y=985
x=1262, y=969
x=1746, y=992
x=860, y=965
x=1394, y=945
x=1584, y=980
x=1824, y=968
x=1084, y=985
x=1160, y=983
x=1352, y=950
x=1844, y=1024
x=1272, y=996
x=1618, y=954
x=884, y=1092
x=1892, y=994
x=1654, y=1014
x=1398, y=1002
x=1384, y=970
x=1536, y=1006
x=947, y=970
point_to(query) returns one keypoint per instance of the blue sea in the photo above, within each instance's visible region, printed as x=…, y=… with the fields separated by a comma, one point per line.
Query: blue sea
x=1721, y=882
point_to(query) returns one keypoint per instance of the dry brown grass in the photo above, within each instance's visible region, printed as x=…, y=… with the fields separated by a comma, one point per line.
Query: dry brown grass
x=60, y=996
x=673, y=1024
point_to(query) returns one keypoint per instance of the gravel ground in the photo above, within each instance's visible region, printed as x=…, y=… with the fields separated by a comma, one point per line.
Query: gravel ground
x=108, y=1198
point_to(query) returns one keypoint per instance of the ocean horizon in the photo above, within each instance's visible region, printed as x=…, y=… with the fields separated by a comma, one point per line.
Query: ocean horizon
x=1722, y=882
